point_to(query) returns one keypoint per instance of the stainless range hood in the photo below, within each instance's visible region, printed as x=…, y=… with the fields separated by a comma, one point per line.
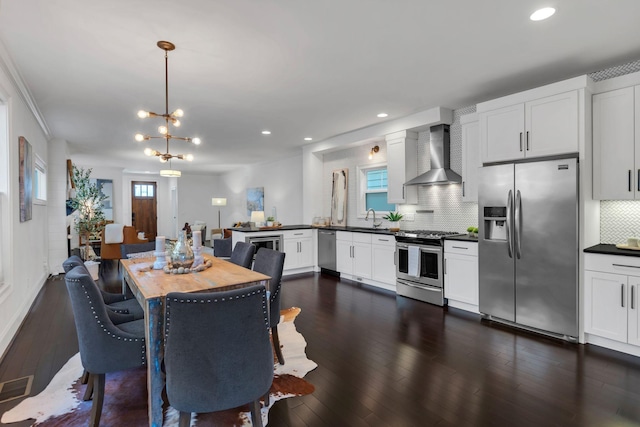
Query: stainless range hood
x=440, y=172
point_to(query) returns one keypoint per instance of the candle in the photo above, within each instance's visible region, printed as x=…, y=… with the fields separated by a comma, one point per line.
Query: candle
x=160, y=243
x=197, y=239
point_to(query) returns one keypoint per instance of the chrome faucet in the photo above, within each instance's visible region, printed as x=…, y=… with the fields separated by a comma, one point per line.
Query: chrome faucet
x=366, y=218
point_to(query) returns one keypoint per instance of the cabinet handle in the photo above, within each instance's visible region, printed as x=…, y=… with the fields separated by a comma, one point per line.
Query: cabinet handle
x=638, y=179
x=629, y=179
x=403, y=192
x=445, y=266
x=298, y=234
x=632, y=298
x=623, y=265
x=622, y=295
x=463, y=188
x=527, y=140
x=520, y=141
x=459, y=247
x=383, y=240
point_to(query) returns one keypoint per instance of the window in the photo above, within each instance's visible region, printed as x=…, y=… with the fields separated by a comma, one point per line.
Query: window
x=373, y=190
x=143, y=190
x=40, y=182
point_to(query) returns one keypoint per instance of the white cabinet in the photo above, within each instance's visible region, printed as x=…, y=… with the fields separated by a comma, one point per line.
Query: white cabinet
x=611, y=310
x=461, y=274
x=470, y=157
x=353, y=254
x=383, y=267
x=298, y=246
x=539, y=127
x=402, y=165
x=616, y=145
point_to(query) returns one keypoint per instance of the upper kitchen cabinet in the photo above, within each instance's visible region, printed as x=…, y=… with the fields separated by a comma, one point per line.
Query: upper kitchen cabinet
x=402, y=165
x=616, y=145
x=470, y=157
x=537, y=123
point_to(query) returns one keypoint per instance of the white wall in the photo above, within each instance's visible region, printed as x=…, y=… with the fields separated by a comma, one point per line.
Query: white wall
x=57, y=179
x=194, y=200
x=25, y=244
x=282, y=182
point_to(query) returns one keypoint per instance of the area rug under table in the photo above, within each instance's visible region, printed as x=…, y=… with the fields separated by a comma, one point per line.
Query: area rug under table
x=125, y=402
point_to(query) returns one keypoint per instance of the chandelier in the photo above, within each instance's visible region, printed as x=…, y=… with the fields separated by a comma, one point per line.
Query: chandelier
x=172, y=118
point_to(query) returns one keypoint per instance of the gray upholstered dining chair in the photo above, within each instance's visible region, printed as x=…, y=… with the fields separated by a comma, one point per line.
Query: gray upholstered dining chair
x=222, y=247
x=271, y=263
x=104, y=346
x=243, y=254
x=217, y=351
x=117, y=303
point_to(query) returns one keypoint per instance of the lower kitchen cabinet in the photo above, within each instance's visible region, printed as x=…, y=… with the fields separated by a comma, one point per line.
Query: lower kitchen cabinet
x=611, y=310
x=367, y=258
x=298, y=247
x=353, y=254
x=461, y=274
x=383, y=266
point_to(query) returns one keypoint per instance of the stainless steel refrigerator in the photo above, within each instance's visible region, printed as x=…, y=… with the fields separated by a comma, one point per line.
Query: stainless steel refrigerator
x=528, y=244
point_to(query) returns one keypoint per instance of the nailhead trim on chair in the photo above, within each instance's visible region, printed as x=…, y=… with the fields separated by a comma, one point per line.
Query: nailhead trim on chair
x=95, y=315
x=215, y=300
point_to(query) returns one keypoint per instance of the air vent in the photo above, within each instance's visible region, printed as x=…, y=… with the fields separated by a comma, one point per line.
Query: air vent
x=14, y=389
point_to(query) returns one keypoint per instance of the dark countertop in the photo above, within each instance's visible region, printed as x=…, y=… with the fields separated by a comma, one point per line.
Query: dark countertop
x=284, y=227
x=462, y=238
x=303, y=227
x=611, y=250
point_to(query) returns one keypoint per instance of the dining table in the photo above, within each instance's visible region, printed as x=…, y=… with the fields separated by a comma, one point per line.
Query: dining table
x=150, y=287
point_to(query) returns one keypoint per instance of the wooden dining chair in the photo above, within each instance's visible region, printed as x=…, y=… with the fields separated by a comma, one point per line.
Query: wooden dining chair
x=243, y=254
x=217, y=351
x=104, y=346
x=271, y=263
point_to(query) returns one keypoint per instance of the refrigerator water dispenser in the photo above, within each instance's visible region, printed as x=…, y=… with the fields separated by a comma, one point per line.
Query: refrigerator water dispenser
x=495, y=223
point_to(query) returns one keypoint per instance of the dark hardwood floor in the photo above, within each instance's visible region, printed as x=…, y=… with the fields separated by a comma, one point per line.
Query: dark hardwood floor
x=387, y=361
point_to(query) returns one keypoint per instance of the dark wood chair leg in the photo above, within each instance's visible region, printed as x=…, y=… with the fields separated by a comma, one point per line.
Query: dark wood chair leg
x=85, y=377
x=256, y=416
x=276, y=344
x=185, y=419
x=98, y=399
x=88, y=391
x=267, y=398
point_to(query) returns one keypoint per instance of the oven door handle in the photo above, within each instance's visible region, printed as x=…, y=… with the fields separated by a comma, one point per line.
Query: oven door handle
x=422, y=287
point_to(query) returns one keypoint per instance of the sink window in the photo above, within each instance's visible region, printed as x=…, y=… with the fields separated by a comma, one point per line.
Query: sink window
x=372, y=185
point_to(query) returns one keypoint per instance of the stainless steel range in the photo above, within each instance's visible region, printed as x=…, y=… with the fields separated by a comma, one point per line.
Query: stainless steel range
x=419, y=265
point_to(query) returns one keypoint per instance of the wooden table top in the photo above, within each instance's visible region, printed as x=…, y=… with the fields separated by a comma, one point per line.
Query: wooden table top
x=157, y=283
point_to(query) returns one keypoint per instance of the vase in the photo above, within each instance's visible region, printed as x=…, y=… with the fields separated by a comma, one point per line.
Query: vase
x=394, y=225
x=182, y=255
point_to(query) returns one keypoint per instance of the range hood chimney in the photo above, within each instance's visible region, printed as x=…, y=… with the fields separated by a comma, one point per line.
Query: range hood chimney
x=440, y=172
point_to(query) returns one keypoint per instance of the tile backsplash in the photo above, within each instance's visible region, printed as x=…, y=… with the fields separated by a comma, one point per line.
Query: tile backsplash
x=619, y=219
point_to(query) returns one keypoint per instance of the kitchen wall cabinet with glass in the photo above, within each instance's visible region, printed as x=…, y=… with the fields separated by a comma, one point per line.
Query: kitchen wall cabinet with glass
x=461, y=274
x=471, y=160
x=540, y=122
x=611, y=315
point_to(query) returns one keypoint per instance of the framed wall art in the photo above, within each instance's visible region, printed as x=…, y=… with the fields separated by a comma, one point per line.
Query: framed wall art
x=255, y=200
x=25, y=179
x=339, y=196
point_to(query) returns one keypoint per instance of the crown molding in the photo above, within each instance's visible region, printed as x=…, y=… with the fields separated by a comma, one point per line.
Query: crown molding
x=12, y=72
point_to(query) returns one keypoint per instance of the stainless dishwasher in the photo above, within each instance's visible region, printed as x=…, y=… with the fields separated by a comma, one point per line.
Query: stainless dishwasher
x=327, y=251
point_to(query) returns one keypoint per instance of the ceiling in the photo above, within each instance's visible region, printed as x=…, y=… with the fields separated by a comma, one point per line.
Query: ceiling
x=297, y=68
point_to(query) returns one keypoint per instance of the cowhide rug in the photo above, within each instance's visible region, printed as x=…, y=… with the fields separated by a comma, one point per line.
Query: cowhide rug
x=125, y=403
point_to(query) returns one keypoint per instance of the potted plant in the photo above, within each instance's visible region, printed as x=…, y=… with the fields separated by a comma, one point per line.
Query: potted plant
x=393, y=218
x=270, y=221
x=473, y=231
x=88, y=204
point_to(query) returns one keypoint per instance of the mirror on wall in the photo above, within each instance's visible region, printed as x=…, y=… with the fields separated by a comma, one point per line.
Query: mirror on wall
x=107, y=190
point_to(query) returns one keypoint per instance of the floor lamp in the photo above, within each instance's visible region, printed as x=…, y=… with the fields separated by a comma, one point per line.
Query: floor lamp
x=218, y=201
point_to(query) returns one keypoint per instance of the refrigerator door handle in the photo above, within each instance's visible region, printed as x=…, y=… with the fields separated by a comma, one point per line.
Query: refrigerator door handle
x=508, y=223
x=518, y=224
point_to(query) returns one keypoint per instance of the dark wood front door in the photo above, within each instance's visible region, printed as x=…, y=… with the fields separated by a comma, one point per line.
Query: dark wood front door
x=144, y=208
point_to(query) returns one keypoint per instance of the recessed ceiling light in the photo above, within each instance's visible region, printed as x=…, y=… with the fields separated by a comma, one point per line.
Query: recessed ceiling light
x=541, y=14
x=266, y=132
x=308, y=139
x=383, y=115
